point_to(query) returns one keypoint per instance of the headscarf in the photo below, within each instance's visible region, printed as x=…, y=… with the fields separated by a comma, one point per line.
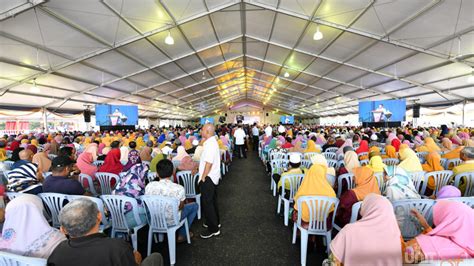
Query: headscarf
x=391, y=152
x=34, y=142
x=431, y=145
x=181, y=154
x=365, y=182
x=314, y=184
x=376, y=164
x=145, y=154
x=25, y=230
x=311, y=147
x=452, y=237
x=85, y=162
x=3, y=155
x=379, y=231
x=363, y=147
x=410, y=161
x=351, y=161
x=133, y=158
x=320, y=159
x=418, y=141
x=454, y=154
x=132, y=184
x=100, y=150
x=348, y=142
x=447, y=144
x=448, y=192
x=399, y=184
x=112, y=163
x=433, y=163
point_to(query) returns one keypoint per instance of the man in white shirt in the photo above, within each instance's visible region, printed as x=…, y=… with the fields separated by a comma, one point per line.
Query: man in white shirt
x=239, y=136
x=210, y=174
x=281, y=129
x=268, y=131
x=255, y=134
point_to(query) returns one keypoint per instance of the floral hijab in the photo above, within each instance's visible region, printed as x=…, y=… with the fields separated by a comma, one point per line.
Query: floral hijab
x=132, y=184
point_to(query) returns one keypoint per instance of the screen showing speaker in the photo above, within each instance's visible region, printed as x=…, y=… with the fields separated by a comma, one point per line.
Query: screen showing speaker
x=382, y=111
x=207, y=120
x=287, y=120
x=116, y=115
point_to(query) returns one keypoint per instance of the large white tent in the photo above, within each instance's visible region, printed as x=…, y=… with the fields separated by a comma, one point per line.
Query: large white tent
x=306, y=57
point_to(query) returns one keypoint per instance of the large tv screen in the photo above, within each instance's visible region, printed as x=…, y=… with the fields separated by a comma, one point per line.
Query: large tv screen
x=116, y=115
x=287, y=120
x=207, y=120
x=382, y=111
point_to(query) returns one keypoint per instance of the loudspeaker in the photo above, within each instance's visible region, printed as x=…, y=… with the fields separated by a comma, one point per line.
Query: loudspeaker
x=225, y=114
x=87, y=116
x=267, y=114
x=416, y=111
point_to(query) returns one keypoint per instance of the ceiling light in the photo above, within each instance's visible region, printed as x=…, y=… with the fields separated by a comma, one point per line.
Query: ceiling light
x=286, y=75
x=35, y=89
x=317, y=35
x=169, y=39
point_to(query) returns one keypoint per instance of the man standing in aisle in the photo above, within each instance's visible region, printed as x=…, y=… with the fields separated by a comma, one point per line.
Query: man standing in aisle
x=268, y=131
x=239, y=136
x=281, y=129
x=255, y=134
x=210, y=173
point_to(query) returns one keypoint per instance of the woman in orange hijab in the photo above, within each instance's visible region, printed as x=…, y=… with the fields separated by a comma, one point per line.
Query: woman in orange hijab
x=390, y=152
x=447, y=144
x=433, y=163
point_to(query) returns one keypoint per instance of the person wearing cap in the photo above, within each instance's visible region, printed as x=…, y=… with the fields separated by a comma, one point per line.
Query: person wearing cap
x=294, y=163
x=60, y=180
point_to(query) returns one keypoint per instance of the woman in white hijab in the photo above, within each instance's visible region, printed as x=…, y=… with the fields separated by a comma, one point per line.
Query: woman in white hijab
x=25, y=231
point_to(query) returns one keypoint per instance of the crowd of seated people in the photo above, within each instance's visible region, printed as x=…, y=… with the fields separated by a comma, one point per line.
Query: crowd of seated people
x=361, y=153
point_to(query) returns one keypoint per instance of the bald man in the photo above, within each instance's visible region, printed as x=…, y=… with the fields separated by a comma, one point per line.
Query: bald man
x=26, y=156
x=210, y=174
x=25, y=177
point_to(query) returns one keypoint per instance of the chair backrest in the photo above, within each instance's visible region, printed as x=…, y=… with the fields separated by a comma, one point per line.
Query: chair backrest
x=441, y=178
x=116, y=206
x=189, y=182
x=9, y=259
x=363, y=154
x=98, y=163
x=319, y=208
x=105, y=182
x=348, y=179
x=391, y=161
x=277, y=154
x=151, y=176
x=380, y=182
x=332, y=163
x=418, y=179
x=443, y=162
x=330, y=155
x=309, y=155
x=355, y=211
x=340, y=164
x=422, y=156
x=306, y=163
x=364, y=162
x=8, y=164
x=331, y=179
x=157, y=207
x=450, y=164
x=47, y=174
x=468, y=178
x=340, y=157
x=409, y=225
x=176, y=164
x=466, y=200
x=90, y=183
x=332, y=149
x=294, y=180
x=12, y=195
x=55, y=202
x=295, y=153
x=97, y=201
x=277, y=165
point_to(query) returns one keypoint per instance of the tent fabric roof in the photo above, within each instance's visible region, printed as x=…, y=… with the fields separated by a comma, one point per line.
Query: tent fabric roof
x=226, y=51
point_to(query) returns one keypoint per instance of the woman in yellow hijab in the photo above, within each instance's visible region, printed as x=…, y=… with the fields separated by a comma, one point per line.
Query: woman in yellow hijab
x=140, y=143
x=376, y=163
x=3, y=152
x=34, y=142
x=409, y=161
x=314, y=184
x=433, y=163
x=390, y=152
x=311, y=147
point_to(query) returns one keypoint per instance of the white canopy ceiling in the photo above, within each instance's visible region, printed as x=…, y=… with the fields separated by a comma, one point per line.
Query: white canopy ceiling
x=226, y=51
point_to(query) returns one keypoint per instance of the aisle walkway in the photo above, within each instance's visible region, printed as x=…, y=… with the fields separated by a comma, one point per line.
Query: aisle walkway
x=252, y=233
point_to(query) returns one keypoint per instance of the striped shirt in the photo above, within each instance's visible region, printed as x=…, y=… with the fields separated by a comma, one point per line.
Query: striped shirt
x=23, y=178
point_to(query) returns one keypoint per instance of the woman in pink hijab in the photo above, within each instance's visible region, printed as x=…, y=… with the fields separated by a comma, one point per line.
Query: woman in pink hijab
x=348, y=142
x=373, y=240
x=452, y=237
x=101, y=148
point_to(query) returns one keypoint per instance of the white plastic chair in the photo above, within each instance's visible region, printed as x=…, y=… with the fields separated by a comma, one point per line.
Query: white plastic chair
x=319, y=209
x=391, y=161
x=330, y=155
x=12, y=195
x=331, y=179
x=9, y=259
x=466, y=200
x=294, y=180
x=409, y=225
x=340, y=163
x=332, y=149
x=189, y=183
x=332, y=163
x=105, y=223
x=422, y=156
x=55, y=202
x=450, y=164
x=355, y=211
x=98, y=163
x=47, y=174
x=157, y=207
x=90, y=183
x=276, y=167
x=364, y=162
x=8, y=164
x=176, y=164
x=349, y=179
x=295, y=153
x=306, y=163
x=105, y=182
x=380, y=182
x=116, y=206
x=469, y=179
x=443, y=162
x=441, y=178
x=418, y=179
x=151, y=176
x=309, y=155
x=363, y=154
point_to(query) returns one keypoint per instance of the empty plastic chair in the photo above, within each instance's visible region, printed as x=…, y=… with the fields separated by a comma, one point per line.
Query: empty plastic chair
x=55, y=202
x=330, y=155
x=355, y=211
x=441, y=178
x=294, y=180
x=418, y=179
x=90, y=184
x=116, y=206
x=98, y=163
x=319, y=209
x=189, y=182
x=105, y=223
x=348, y=179
x=105, y=181
x=332, y=149
x=9, y=259
x=468, y=179
x=157, y=207
x=409, y=225
x=391, y=161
